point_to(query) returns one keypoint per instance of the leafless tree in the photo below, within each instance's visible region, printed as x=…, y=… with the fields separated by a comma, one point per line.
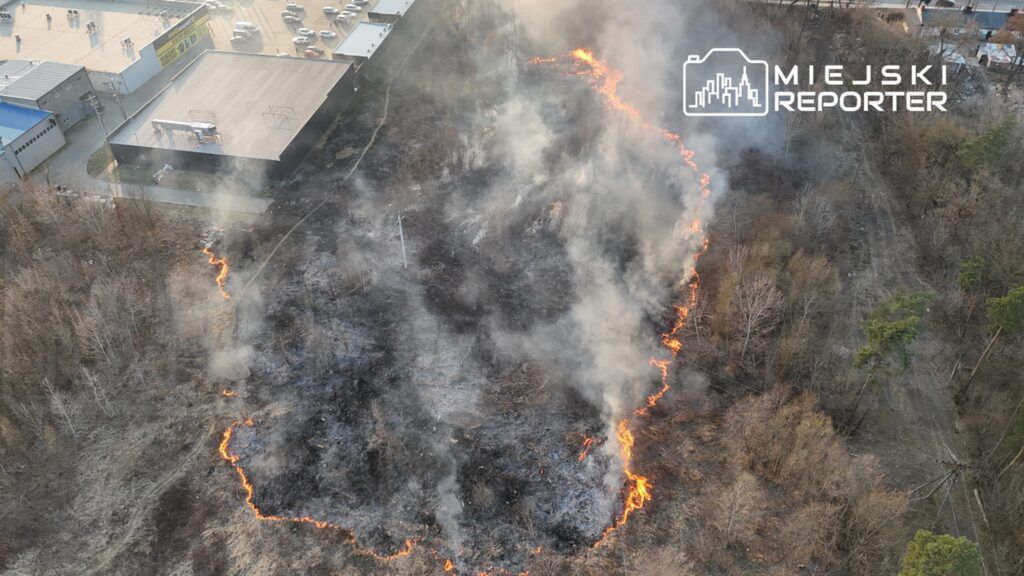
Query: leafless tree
x=62, y=408
x=758, y=303
x=99, y=394
x=738, y=508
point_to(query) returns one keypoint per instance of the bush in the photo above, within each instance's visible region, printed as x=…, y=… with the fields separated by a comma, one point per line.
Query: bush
x=930, y=554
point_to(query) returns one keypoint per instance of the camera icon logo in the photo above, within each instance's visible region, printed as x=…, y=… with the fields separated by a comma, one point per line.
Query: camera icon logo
x=725, y=82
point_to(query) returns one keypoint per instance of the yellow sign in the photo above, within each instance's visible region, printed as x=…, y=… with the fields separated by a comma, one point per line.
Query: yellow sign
x=184, y=35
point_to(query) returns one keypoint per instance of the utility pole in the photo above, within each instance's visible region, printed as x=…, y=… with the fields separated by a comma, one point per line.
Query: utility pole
x=401, y=236
x=117, y=98
x=95, y=102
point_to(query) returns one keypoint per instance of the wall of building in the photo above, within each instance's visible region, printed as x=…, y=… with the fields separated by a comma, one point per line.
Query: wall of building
x=188, y=160
x=404, y=33
x=8, y=175
x=36, y=145
x=139, y=72
x=64, y=100
x=336, y=101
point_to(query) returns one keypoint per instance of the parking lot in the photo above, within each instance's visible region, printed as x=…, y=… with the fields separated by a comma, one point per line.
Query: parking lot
x=275, y=35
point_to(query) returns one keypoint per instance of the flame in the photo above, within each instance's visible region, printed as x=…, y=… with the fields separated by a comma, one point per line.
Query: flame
x=228, y=393
x=226, y=454
x=222, y=270
x=605, y=81
x=588, y=442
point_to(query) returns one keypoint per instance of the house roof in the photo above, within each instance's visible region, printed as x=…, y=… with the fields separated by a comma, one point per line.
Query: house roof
x=16, y=120
x=31, y=80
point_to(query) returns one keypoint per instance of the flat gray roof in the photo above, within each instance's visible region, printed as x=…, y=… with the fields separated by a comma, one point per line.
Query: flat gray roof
x=363, y=40
x=258, y=103
x=65, y=40
x=392, y=7
x=987, y=20
x=32, y=80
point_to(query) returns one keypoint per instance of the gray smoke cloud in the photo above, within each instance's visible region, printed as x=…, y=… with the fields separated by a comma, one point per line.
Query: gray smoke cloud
x=583, y=214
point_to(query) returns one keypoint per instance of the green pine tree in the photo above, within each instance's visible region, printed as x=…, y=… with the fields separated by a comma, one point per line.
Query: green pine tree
x=930, y=554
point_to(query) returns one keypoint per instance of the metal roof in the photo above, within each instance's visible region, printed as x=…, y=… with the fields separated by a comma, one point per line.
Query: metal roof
x=363, y=40
x=16, y=120
x=32, y=80
x=258, y=102
x=986, y=20
x=392, y=7
x=998, y=53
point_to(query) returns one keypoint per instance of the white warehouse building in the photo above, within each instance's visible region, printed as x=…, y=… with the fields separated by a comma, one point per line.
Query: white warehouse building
x=28, y=137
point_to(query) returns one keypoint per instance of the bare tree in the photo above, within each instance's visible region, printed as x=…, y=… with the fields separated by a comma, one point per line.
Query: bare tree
x=61, y=407
x=758, y=303
x=738, y=508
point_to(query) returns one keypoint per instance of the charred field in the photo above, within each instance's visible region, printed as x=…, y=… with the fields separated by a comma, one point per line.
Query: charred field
x=515, y=315
x=443, y=385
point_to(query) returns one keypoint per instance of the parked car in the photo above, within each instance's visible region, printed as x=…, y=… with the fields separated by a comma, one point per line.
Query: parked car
x=330, y=10
x=343, y=18
x=360, y=2
x=316, y=49
x=328, y=35
x=350, y=15
x=306, y=32
x=242, y=33
x=247, y=26
x=292, y=20
x=236, y=40
x=214, y=6
x=353, y=8
x=293, y=7
x=300, y=40
x=312, y=54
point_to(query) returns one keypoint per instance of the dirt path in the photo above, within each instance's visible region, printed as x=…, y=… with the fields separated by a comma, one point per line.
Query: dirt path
x=911, y=423
x=101, y=563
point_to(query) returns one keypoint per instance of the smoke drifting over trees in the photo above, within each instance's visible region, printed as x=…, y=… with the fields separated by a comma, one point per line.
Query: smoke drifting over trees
x=455, y=397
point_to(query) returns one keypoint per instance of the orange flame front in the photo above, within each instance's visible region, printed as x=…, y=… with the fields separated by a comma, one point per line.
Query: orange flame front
x=588, y=442
x=226, y=454
x=605, y=81
x=222, y=270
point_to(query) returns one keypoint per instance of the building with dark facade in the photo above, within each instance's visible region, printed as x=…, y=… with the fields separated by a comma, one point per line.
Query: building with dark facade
x=230, y=110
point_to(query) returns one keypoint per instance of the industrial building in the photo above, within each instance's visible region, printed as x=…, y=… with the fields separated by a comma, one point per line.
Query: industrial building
x=370, y=40
x=235, y=110
x=28, y=136
x=362, y=42
x=64, y=89
x=956, y=21
x=389, y=11
x=122, y=44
